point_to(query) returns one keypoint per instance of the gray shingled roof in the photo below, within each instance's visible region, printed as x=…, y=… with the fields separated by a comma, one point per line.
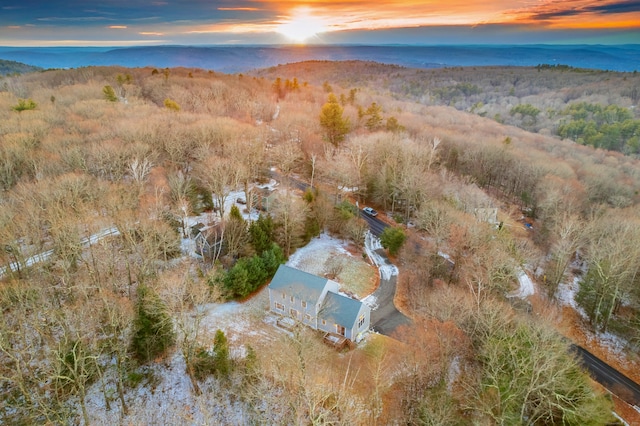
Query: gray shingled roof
x=302, y=285
x=340, y=309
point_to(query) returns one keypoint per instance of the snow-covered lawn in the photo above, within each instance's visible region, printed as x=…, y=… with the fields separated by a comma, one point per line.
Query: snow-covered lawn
x=313, y=257
x=325, y=254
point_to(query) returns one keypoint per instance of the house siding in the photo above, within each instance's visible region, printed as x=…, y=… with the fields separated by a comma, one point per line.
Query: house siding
x=275, y=297
x=287, y=297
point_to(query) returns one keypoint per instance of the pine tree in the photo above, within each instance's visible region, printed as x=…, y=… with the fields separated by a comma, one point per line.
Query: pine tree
x=261, y=232
x=375, y=118
x=153, y=328
x=109, y=94
x=221, y=358
x=334, y=124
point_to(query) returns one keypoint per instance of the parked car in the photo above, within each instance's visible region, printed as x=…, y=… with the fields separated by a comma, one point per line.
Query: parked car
x=241, y=200
x=369, y=211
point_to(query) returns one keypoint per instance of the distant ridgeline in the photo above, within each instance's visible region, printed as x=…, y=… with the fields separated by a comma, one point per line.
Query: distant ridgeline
x=13, y=67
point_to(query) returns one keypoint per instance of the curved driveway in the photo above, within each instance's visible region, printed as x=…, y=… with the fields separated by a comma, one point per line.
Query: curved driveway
x=385, y=318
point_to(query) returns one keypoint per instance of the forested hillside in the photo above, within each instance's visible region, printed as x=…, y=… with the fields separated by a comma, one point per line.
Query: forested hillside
x=102, y=170
x=591, y=107
x=12, y=67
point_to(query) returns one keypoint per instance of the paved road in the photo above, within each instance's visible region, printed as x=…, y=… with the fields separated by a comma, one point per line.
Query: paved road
x=376, y=226
x=616, y=382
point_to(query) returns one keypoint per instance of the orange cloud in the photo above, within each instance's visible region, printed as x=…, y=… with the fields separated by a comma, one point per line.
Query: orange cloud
x=117, y=27
x=150, y=33
x=240, y=9
x=243, y=28
x=578, y=14
x=364, y=14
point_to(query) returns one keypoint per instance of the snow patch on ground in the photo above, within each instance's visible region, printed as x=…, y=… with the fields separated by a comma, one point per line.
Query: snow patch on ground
x=171, y=398
x=567, y=291
x=613, y=343
x=454, y=372
x=371, y=245
x=371, y=301
x=526, y=285
x=445, y=256
x=312, y=257
x=566, y=294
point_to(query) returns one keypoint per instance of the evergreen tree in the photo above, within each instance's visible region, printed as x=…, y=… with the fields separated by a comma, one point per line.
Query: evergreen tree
x=153, y=328
x=109, y=94
x=392, y=239
x=222, y=361
x=334, y=124
x=261, y=232
x=375, y=117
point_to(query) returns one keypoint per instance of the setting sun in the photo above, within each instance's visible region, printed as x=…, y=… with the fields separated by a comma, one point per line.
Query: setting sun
x=301, y=26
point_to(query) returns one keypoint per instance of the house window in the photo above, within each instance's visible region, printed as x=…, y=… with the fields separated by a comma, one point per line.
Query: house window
x=360, y=321
x=283, y=295
x=279, y=307
x=340, y=330
x=324, y=322
x=307, y=317
x=304, y=304
x=293, y=313
x=291, y=298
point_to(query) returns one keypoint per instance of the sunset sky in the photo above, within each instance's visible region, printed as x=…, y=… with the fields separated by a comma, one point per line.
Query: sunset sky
x=428, y=22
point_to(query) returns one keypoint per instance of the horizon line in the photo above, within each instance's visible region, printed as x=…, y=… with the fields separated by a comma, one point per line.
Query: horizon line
x=305, y=45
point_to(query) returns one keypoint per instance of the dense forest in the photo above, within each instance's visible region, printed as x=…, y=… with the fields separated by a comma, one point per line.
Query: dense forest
x=591, y=107
x=102, y=167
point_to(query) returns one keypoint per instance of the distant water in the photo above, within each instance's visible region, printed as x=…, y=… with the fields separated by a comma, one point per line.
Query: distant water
x=233, y=59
